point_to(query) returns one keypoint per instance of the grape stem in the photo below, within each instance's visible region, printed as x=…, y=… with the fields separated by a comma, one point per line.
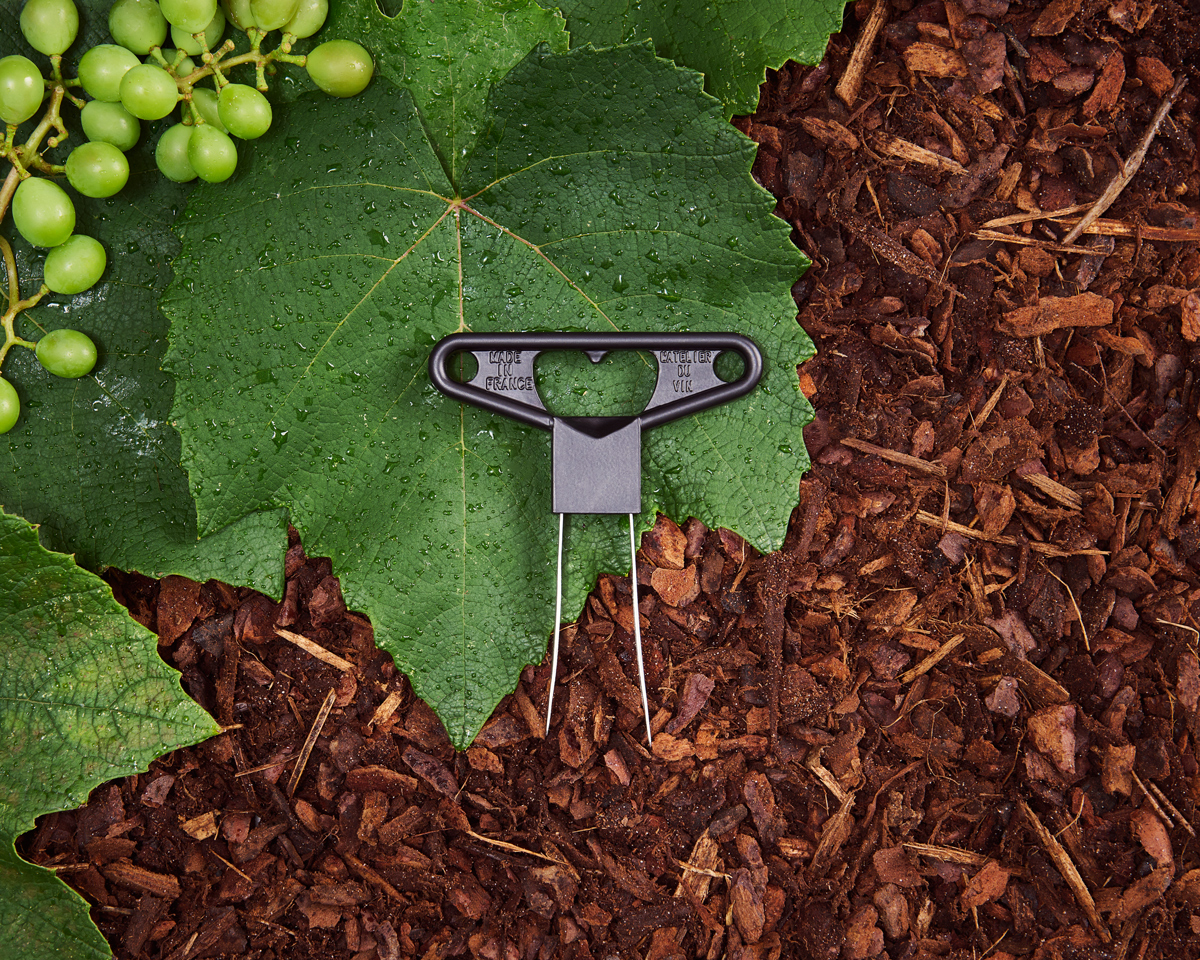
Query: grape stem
x=15, y=303
x=215, y=64
x=28, y=154
x=23, y=157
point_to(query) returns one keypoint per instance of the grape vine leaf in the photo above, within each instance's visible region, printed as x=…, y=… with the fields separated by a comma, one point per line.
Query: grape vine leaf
x=608, y=192
x=84, y=698
x=96, y=461
x=732, y=42
x=448, y=55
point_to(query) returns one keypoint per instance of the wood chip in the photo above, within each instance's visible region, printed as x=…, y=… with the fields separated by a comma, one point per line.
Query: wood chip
x=703, y=865
x=384, y=711
x=371, y=876
x=1055, y=313
x=987, y=885
x=1054, y=18
x=931, y=661
x=937, y=61
x=834, y=833
x=829, y=133
x=947, y=854
x=133, y=877
x=851, y=81
x=1052, y=488
x=201, y=827
x=1190, y=322
x=907, y=152
x=890, y=249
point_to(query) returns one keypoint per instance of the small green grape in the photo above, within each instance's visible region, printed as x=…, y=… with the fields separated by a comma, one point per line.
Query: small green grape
x=137, y=25
x=190, y=15
x=75, y=265
x=238, y=13
x=149, y=92
x=110, y=123
x=66, y=353
x=103, y=67
x=308, y=19
x=244, y=111
x=205, y=100
x=273, y=14
x=22, y=89
x=212, y=154
x=97, y=169
x=42, y=212
x=171, y=154
x=50, y=26
x=212, y=36
x=342, y=68
x=10, y=406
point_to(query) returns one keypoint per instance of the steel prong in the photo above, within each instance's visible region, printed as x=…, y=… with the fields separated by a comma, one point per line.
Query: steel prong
x=637, y=633
x=557, y=621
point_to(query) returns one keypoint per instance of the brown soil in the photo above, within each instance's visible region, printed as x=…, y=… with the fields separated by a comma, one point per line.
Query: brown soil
x=956, y=716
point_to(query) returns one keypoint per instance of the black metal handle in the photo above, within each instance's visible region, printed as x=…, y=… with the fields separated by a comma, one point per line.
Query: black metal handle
x=506, y=370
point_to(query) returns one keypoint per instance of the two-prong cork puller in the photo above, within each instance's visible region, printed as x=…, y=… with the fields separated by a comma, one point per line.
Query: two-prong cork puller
x=596, y=462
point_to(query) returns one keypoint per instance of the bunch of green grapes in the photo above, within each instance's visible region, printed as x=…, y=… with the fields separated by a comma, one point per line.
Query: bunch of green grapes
x=138, y=77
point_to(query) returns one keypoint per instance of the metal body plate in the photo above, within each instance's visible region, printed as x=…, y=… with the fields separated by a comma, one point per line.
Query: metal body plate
x=597, y=465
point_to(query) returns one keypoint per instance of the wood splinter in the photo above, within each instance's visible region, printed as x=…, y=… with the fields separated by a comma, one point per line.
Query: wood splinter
x=1068, y=870
x=316, y=650
x=310, y=741
x=1129, y=168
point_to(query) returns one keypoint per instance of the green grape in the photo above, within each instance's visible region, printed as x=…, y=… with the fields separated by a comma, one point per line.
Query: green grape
x=171, y=154
x=206, y=102
x=309, y=18
x=50, y=26
x=185, y=66
x=42, y=212
x=190, y=15
x=212, y=35
x=22, y=89
x=66, y=353
x=238, y=13
x=10, y=406
x=137, y=25
x=273, y=14
x=212, y=154
x=342, y=68
x=102, y=68
x=245, y=112
x=149, y=92
x=110, y=123
x=97, y=169
x=75, y=265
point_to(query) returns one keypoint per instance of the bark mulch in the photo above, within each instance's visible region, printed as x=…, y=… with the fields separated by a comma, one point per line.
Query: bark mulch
x=956, y=716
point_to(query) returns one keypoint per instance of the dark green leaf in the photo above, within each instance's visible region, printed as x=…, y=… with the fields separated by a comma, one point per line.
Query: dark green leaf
x=608, y=193
x=448, y=55
x=732, y=42
x=95, y=461
x=84, y=698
